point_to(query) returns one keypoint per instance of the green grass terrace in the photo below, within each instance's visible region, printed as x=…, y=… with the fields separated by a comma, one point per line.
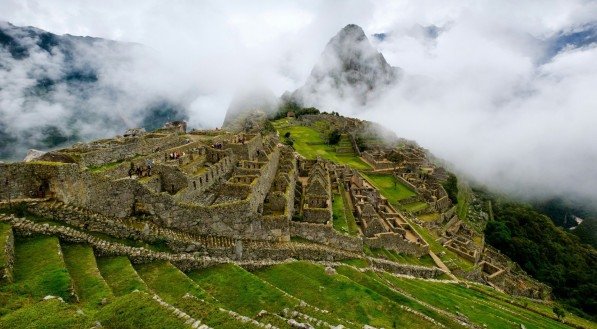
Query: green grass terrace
x=310, y=144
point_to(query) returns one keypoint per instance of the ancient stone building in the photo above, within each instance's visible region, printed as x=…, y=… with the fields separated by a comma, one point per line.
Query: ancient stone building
x=317, y=206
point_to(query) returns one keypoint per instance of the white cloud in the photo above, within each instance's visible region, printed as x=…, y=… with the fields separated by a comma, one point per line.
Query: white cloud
x=476, y=96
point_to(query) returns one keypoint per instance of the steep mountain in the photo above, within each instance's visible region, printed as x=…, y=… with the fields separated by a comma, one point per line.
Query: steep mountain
x=349, y=67
x=58, y=89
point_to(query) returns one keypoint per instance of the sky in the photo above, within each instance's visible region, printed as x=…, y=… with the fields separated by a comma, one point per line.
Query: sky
x=499, y=89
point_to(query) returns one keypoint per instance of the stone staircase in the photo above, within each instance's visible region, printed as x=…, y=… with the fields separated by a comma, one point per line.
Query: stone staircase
x=344, y=145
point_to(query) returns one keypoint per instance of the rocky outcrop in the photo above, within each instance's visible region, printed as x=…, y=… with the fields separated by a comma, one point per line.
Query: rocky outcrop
x=348, y=67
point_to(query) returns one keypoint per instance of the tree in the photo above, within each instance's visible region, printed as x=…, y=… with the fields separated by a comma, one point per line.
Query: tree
x=559, y=313
x=334, y=137
x=451, y=187
x=268, y=127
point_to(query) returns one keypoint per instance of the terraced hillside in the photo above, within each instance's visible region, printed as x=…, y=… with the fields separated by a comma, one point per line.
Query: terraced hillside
x=240, y=231
x=60, y=284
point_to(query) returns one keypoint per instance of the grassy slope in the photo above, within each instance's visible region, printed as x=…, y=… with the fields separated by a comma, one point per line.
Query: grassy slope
x=137, y=310
x=248, y=294
x=120, y=275
x=82, y=267
x=209, y=314
x=168, y=281
x=350, y=220
x=340, y=296
x=339, y=214
x=478, y=307
x=47, y=314
x=39, y=269
x=241, y=291
x=308, y=142
x=546, y=309
x=370, y=281
x=391, y=189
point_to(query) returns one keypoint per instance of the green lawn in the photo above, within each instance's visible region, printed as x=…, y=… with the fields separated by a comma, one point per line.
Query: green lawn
x=210, y=314
x=481, y=308
x=309, y=143
x=168, y=281
x=340, y=296
x=46, y=314
x=39, y=269
x=356, y=262
x=371, y=280
x=339, y=214
x=247, y=294
x=120, y=275
x=240, y=291
x=389, y=187
x=349, y=216
x=89, y=284
x=138, y=310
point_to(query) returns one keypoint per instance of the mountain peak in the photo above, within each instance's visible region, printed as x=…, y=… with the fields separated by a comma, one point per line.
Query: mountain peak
x=352, y=30
x=348, y=67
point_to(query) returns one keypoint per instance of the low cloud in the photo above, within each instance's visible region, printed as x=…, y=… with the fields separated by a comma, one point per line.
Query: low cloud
x=502, y=90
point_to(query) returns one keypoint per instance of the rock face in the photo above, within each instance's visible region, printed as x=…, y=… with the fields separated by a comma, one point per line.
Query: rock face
x=348, y=67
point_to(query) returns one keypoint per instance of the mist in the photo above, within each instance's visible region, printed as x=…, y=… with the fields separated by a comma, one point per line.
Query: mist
x=504, y=91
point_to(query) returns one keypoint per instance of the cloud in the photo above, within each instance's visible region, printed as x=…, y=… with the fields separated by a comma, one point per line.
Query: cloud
x=503, y=91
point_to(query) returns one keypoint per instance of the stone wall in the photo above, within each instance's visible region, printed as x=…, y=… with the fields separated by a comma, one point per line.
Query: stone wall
x=248, y=149
x=442, y=204
x=395, y=241
x=469, y=255
x=376, y=163
x=325, y=234
x=129, y=148
x=126, y=197
x=317, y=215
x=128, y=228
x=26, y=179
x=198, y=184
x=171, y=177
x=407, y=183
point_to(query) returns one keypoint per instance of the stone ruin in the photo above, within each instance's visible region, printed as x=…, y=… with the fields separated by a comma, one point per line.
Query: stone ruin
x=237, y=186
x=416, y=172
x=234, y=196
x=490, y=266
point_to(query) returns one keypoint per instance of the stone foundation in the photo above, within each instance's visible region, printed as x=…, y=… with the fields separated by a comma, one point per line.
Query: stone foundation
x=325, y=234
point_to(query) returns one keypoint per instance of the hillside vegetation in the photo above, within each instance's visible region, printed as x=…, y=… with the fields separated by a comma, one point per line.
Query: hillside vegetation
x=546, y=252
